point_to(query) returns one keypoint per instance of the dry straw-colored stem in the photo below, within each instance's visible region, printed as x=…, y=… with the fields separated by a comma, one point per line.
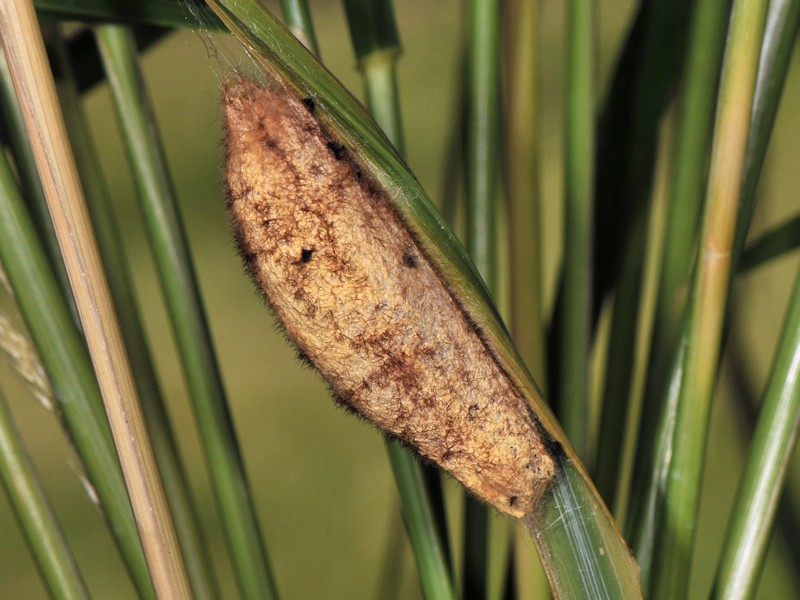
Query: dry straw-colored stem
x=35, y=89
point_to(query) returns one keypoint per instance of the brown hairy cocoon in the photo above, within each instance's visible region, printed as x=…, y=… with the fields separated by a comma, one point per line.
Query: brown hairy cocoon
x=361, y=300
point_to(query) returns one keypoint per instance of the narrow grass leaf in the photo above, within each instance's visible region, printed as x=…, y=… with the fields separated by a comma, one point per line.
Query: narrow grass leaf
x=708, y=298
x=709, y=24
x=656, y=439
x=641, y=89
x=575, y=327
x=109, y=238
x=297, y=16
x=521, y=178
x=753, y=516
x=67, y=363
x=166, y=13
x=780, y=33
x=33, y=511
x=482, y=170
x=181, y=291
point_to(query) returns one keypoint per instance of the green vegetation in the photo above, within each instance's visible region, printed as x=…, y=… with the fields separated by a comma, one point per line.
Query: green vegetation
x=604, y=167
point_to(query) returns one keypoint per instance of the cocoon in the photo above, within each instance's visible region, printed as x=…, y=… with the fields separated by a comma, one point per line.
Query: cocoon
x=362, y=301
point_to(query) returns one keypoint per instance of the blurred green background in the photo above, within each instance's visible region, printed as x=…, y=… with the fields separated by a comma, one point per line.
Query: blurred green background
x=321, y=480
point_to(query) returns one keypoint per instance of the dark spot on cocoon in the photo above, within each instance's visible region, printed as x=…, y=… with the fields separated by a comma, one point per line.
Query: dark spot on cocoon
x=310, y=105
x=337, y=149
x=410, y=260
x=512, y=500
x=305, y=255
x=553, y=447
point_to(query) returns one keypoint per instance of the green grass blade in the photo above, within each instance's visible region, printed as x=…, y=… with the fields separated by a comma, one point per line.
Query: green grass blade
x=656, y=440
x=709, y=24
x=780, y=33
x=643, y=84
x=298, y=19
x=42, y=532
x=181, y=291
x=741, y=565
x=619, y=368
x=482, y=140
x=708, y=298
x=109, y=238
x=653, y=70
x=482, y=168
x=286, y=61
x=377, y=44
x=87, y=68
x=29, y=176
x=702, y=64
x=581, y=556
x=575, y=324
x=522, y=174
x=786, y=531
x=647, y=501
x=423, y=531
x=708, y=28
x=66, y=361
x=756, y=505
x=166, y=13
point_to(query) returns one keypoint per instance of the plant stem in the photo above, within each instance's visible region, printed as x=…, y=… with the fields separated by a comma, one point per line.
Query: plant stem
x=109, y=238
x=181, y=291
x=482, y=168
x=780, y=33
x=522, y=184
x=753, y=516
x=483, y=120
x=35, y=88
x=576, y=326
x=708, y=298
x=421, y=525
x=655, y=448
x=619, y=366
x=33, y=193
x=522, y=130
x=42, y=532
x=694, y=130
x=298, y=19
x=68, y=367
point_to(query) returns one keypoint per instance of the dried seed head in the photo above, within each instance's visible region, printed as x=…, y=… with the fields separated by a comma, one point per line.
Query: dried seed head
x=25, y=361
x=363, y=303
